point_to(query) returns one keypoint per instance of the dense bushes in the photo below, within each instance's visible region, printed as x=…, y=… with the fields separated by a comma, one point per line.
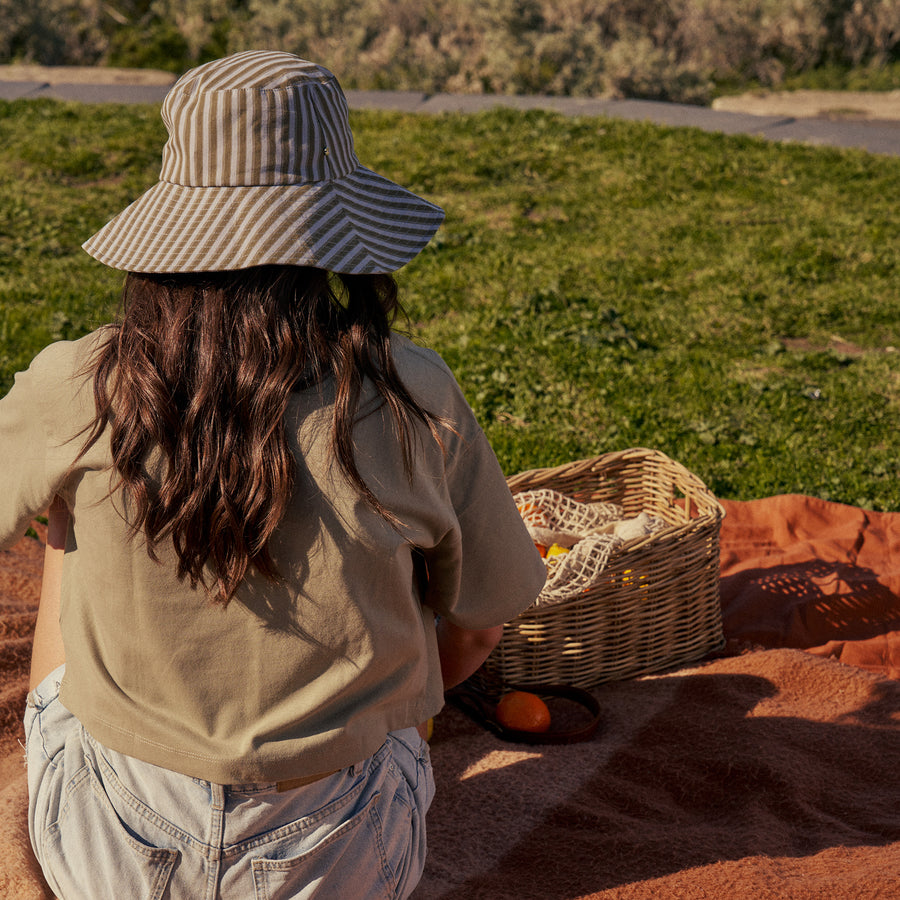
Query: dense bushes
x=668, y=49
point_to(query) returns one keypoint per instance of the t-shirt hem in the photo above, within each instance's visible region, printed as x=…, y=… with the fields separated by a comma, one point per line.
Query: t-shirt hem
x=330, y=756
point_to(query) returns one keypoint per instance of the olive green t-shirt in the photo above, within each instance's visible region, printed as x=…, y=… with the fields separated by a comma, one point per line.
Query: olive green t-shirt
x=293, y=678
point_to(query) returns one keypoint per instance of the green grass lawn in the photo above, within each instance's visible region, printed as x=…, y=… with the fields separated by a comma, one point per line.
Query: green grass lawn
x=597, y=285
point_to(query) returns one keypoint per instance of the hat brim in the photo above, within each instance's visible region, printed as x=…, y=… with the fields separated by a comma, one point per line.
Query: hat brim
x=362, y=223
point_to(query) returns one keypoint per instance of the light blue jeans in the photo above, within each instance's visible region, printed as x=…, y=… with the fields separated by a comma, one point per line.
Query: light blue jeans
x=105, y=826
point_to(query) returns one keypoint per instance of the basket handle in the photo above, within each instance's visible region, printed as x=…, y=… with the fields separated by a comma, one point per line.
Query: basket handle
x=479, y=704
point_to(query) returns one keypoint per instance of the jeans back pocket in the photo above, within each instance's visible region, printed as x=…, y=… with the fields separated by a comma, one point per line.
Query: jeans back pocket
x=88, y=851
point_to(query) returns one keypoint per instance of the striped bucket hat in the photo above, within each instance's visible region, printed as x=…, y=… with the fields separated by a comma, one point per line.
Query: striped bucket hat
x=259, y=169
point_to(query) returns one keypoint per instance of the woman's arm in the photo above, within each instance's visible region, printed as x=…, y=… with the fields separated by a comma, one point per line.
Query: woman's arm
x=462, y=650
x=48, y=653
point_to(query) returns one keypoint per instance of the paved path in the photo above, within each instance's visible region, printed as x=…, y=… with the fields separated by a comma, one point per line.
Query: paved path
x=875, y=136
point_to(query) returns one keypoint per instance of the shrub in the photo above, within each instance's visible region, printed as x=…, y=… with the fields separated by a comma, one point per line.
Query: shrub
x=52, y=32
x=666, y=49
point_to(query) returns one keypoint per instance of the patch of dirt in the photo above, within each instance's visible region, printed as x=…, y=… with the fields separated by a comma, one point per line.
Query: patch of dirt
x=84, y=75
x=842, y=105
x=835, y=344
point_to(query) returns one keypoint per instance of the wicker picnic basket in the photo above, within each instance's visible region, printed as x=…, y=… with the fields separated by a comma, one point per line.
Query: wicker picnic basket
x=657, y=602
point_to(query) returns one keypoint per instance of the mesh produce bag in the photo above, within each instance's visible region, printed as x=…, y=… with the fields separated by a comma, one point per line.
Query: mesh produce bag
x=578, y=539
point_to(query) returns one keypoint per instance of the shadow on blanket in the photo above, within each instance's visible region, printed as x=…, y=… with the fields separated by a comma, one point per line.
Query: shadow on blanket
x=767, y=773
x=806, y=604
x=801, y=572
x=774, y=754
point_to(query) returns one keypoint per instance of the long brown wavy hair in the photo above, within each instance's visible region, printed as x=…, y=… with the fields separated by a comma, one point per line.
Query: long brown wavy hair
x=202, y=367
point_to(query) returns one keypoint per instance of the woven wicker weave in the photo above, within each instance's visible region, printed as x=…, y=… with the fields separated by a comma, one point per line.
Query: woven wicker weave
x=657, y=603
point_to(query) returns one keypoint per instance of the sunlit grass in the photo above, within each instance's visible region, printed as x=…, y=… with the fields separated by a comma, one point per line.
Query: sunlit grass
x=597, y=284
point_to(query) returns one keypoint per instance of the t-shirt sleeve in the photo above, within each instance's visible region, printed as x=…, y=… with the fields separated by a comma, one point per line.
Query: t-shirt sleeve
x=34, y=457
x=486, y=570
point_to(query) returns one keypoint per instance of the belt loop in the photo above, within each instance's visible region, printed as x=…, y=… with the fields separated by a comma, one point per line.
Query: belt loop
x=217, y=795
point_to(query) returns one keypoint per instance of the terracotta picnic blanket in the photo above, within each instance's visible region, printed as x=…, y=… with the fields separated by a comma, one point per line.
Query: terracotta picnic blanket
x=772, y=771
x=800, y=572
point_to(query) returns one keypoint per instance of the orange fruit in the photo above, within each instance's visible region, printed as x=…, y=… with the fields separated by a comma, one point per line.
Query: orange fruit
x=522, y=711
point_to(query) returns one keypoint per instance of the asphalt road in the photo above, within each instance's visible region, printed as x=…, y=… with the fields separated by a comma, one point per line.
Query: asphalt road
x=881, y=137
